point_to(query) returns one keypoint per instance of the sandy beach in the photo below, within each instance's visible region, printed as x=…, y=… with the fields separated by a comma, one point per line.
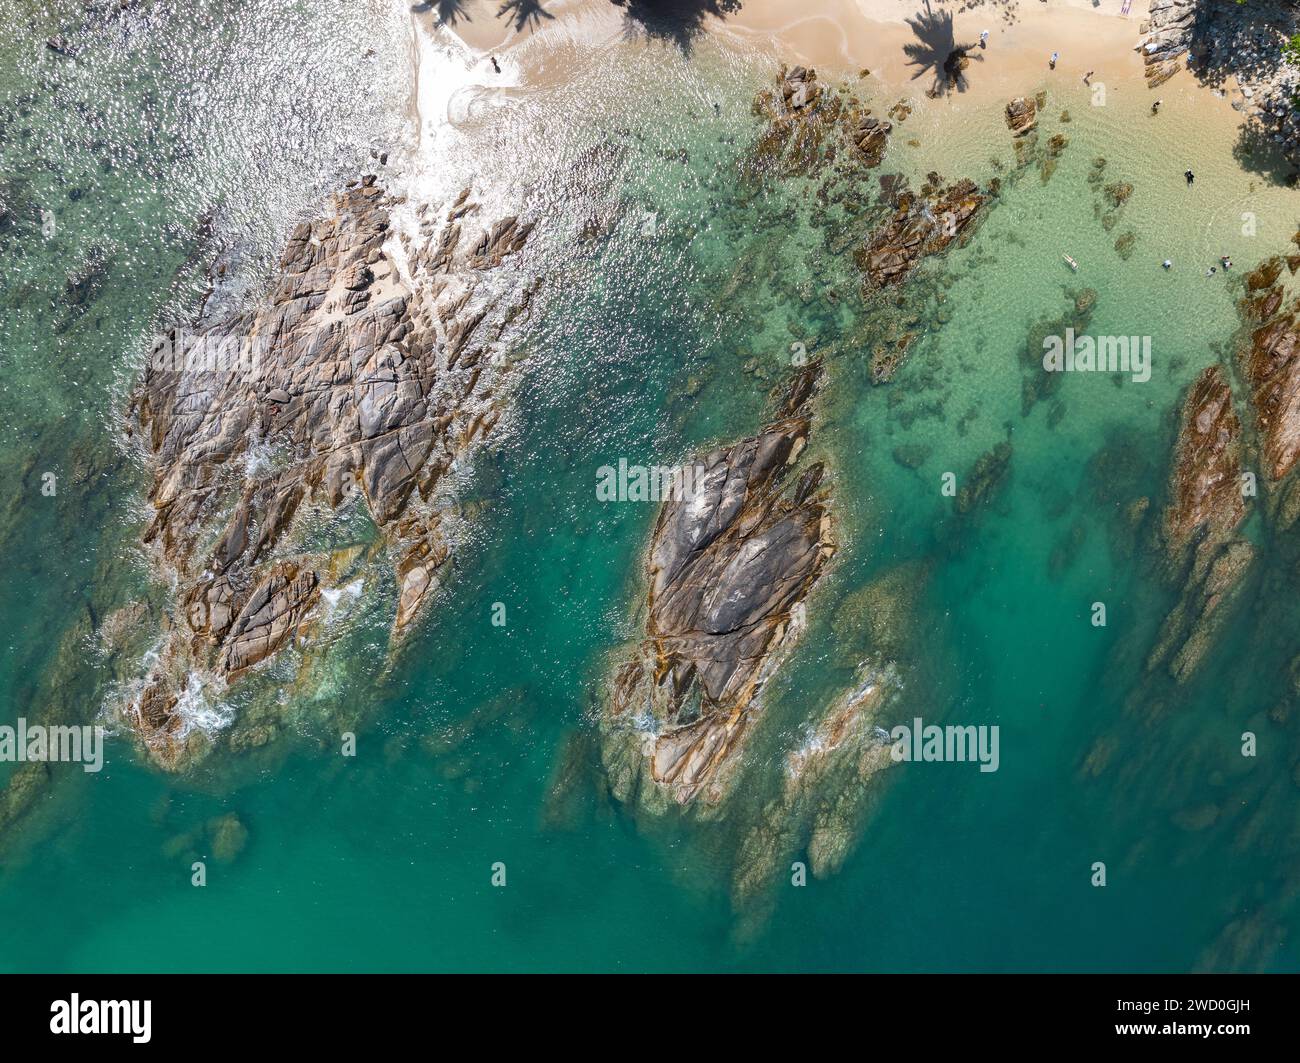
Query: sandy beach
x=901, y=42
x=892, y=48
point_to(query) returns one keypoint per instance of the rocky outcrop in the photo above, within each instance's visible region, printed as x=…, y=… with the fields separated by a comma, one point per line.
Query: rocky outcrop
x=1206, y=505
x=800, y=88
x=848, y=746
x=1271, y=368
x=871, y=135
x=355, y=384
x=916, y=225
x=922, y=224
x=1206, y=487
x=1211, y=487
x=729, y=568
x=808, y=125
x=1168, y=37
x=827, y=785
x=1241, y=50
x=984, y=477
x=1022, y=116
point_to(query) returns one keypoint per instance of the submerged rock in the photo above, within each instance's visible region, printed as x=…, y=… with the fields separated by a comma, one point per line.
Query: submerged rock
x=825, y=790
x=923, y=223
x=985, y=475
x=876, y=619
x=228, y=836
x=1188, y=633
x=729, y=569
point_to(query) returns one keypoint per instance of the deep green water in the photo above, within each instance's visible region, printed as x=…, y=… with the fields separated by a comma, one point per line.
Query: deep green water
x=646, y=349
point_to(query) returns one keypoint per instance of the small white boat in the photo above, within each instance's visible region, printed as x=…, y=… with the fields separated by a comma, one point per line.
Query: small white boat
x=1071, y=263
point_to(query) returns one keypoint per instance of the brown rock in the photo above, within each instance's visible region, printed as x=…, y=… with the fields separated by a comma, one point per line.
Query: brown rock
x=366, y=385
x=1205, y=488
x=1021, y=116
x=729, y=566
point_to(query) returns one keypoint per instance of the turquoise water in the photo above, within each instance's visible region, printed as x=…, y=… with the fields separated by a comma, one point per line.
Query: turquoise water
x=478, y=745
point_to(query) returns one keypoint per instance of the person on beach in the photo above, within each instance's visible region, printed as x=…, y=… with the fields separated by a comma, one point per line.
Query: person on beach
x=984, y=38
x=1155, y=107
x=1086, y=77
x=1189, y=175
x=1051, y=63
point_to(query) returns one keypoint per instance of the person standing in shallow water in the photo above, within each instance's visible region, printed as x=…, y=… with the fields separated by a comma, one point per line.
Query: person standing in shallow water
x=495, y=65
x=1189, y=175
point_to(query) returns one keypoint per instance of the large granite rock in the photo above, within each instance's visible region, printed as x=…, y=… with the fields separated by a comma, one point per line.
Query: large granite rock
x=1206, y=505
x=728, y=570
x=1206, y=485
x=1271, y=369
x=1169, y=34
x=354, y=382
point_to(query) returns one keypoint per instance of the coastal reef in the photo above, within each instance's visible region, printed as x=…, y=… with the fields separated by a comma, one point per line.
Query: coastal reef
x=877, y=229
x=808, y=124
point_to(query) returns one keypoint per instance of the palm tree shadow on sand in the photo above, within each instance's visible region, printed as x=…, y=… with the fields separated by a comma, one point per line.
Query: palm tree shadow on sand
x=525, y=14
x=937, y=53
x=447, y=12
x=676, y=21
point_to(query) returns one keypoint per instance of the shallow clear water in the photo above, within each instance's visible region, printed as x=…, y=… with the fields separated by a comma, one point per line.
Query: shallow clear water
x=647, y=348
